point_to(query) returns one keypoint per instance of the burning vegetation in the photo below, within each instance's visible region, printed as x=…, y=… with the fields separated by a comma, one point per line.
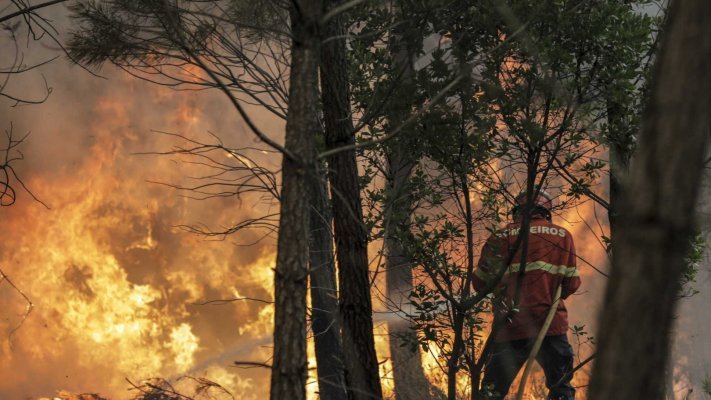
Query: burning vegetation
x=304, y=200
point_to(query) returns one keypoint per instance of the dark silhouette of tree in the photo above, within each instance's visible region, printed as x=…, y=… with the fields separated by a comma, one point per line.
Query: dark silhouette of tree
x=291, y=273
x=656, y=214
x=350, y=232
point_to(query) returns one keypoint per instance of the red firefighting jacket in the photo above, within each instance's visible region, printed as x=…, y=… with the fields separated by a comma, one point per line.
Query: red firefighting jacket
x=550, y=261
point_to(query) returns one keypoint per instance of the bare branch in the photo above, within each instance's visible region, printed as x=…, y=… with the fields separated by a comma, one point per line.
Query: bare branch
x=29, y=9
x=220, y=302
x=28, y=309
x=9, y=155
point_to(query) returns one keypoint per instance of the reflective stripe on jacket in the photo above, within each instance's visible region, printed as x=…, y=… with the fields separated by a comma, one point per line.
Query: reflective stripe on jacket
x=550, y=261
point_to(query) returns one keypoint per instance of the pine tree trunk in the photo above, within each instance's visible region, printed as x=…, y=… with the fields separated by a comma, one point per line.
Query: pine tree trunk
x=288, y=380
x=324, y=296
x=362, y=377
x=656, y=214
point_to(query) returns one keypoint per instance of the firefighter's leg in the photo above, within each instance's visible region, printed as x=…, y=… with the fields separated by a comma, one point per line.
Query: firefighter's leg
x=556, y=359
x=505, y=360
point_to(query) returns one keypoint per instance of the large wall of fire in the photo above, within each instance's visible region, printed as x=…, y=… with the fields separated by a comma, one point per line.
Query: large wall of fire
x=112, y=279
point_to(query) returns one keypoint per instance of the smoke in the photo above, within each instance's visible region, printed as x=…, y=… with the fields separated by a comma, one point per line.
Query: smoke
x=691, y=352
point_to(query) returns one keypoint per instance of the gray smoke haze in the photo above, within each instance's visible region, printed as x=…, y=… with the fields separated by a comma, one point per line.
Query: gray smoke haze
x=691, y=356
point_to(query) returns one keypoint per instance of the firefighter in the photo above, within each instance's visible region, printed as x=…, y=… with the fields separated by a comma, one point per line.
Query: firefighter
x=519, y=313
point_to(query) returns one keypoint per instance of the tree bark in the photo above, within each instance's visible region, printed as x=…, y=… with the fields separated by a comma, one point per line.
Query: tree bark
x=324, y=297
x=362, y=377
x=656, y=214
x=288, y=379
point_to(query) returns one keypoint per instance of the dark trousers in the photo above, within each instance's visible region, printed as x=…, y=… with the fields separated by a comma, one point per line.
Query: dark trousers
x=507, y=358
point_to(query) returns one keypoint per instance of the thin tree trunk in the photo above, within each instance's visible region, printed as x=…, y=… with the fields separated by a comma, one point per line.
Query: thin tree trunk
x=324, y=297
x=657, y=214
x=362, y=377
x=620, y=139
x=618, y=170
x=409, y=378
x=288, y=380
x=408, y=375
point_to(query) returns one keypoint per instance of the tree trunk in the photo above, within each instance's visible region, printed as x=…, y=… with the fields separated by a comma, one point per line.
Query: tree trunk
x=619, y=150
x=656, y=214
x=409, y=377
x=362, y=378
x=324, y=297
x=288, y=380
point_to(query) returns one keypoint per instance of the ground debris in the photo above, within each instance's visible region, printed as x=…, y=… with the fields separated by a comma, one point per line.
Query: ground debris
x=64, y=395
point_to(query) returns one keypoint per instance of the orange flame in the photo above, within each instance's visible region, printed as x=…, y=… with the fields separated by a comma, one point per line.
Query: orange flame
x=113, y=282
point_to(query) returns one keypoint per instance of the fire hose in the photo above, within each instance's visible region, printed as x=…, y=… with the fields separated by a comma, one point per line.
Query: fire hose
x=537, y=344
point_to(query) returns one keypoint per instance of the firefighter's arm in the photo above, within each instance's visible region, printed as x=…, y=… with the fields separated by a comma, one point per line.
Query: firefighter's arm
x=484, y=271
x=571, y=281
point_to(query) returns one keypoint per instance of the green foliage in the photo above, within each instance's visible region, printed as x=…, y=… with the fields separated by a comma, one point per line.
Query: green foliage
x=542, y=83
x=189, y=43
x=581, y=335
x=706, y=385
x=693, y=260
